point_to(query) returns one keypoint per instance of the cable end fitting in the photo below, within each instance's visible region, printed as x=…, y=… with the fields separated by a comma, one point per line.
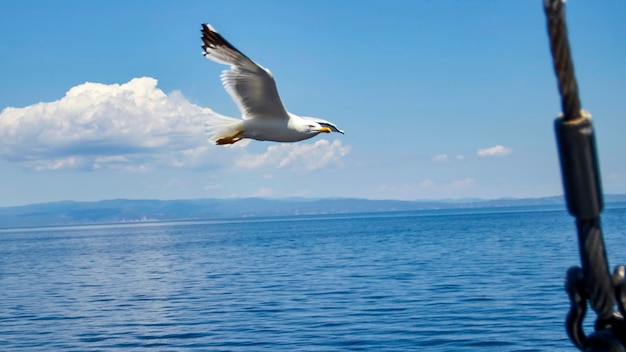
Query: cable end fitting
x=579, y=164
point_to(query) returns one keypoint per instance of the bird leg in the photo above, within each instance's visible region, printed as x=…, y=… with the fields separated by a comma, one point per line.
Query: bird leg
x=230, y=139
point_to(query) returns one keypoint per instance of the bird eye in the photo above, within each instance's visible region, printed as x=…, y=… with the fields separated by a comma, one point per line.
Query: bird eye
x=311, y=126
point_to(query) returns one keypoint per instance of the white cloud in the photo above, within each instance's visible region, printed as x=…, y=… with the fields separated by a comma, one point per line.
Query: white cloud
x=97, y=126
x=440, y=157
x=134, y=127
x=213, y=187
x=445, y=157
x=57, y=164
x=498, y=150
x=462, y=184
x=427, y=184
x=264, y=192
x=297, y=155
x=176, y=183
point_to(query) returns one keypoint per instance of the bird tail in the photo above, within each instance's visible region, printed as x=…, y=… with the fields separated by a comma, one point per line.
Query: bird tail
x=219, y=127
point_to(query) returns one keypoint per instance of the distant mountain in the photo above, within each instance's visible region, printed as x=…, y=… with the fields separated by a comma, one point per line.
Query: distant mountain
x=123, y=210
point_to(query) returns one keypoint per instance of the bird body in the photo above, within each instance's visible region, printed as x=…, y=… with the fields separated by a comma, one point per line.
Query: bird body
x=253, y=89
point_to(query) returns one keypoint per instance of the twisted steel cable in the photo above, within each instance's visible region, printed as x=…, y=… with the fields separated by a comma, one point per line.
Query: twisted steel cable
x=562, y=58
x=595, y=267
x=579, y=167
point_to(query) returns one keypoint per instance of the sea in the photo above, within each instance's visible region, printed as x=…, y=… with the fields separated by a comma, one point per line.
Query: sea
x=440, y=280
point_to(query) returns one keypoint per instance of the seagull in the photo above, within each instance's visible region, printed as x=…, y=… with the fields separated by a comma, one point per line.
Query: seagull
x=253, y=89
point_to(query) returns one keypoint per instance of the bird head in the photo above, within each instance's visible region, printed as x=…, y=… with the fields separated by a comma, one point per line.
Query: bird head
x=316, y=125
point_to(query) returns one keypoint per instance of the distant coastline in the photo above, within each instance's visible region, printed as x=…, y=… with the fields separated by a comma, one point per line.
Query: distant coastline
x=136, y=211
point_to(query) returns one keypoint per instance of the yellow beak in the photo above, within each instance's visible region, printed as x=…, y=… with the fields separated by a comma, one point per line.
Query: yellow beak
x=325, y=129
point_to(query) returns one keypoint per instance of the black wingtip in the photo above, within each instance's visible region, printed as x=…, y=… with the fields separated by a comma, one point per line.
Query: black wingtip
x=208, y=28
x=212, y=39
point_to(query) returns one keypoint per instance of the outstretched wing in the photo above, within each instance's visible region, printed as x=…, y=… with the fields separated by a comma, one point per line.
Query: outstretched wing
x=250, y=85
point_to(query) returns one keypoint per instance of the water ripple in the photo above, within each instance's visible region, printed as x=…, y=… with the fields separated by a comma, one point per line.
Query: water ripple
x=454, y=282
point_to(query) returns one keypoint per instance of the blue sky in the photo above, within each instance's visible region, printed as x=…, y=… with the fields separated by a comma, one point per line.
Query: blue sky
x=439, y=99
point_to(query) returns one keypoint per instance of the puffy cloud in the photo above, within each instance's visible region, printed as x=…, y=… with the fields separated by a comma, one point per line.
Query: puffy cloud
x=97, y=126
x=498, y=150
x=297, y=156
x=57, y=164
x=264, y=192
x=134, y=127
x=445, y=157
x=440, y=157
x=427, y=184
x=213, y=187
x=461, y=184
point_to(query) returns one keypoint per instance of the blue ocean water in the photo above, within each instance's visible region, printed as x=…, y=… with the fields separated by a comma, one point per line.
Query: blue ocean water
x=476, y=280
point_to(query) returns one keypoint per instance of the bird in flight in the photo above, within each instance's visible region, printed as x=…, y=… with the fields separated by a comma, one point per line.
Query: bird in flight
x=253, y=89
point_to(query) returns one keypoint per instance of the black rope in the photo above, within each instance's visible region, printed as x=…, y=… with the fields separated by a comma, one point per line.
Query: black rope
x=563, y=65
x=583, y=194
x=595, y=267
